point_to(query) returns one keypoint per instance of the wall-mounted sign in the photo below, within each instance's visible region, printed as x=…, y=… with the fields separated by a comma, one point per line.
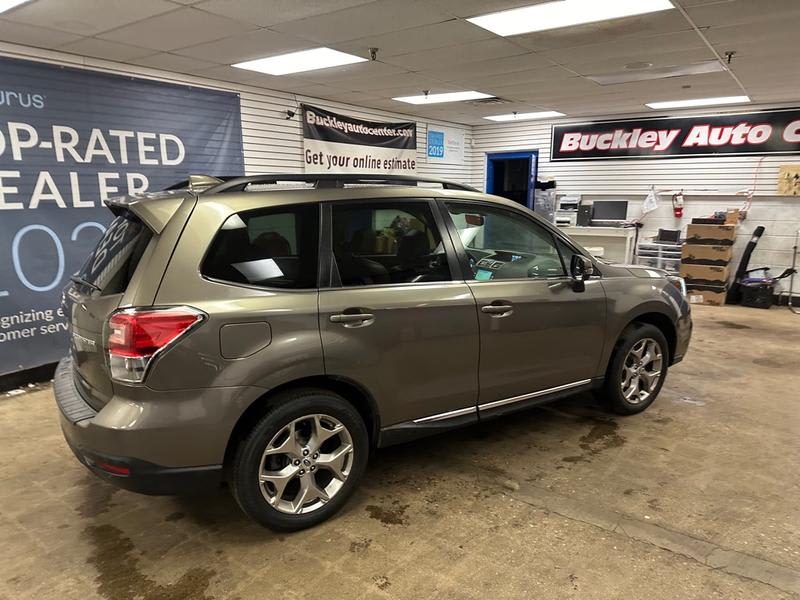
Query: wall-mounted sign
x=70, y=138
x=445, y=145
x=335, y=143
x=767, y=132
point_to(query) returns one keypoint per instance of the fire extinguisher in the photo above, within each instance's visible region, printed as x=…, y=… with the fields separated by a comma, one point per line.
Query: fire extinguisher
x=677, y=205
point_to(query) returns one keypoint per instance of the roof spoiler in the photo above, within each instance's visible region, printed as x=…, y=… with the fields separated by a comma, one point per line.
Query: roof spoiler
x=153, y=209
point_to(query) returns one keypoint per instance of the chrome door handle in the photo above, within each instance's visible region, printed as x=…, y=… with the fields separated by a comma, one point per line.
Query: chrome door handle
x=352, y=318
x=498, y=310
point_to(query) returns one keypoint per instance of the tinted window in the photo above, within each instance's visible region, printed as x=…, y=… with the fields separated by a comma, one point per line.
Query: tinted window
x=111, y=264
x=271, y=248
x=384, y=243
x=501, y=244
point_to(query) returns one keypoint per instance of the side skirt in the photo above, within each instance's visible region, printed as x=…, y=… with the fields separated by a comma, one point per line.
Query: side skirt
x=407, y=431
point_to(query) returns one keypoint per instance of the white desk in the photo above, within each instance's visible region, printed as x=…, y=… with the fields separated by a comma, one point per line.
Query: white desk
x=617, y=242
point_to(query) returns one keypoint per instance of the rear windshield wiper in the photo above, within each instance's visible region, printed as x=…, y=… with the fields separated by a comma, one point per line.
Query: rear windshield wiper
x=80, y=280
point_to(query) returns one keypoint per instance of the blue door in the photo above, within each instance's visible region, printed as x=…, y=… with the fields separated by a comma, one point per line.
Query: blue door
x=512, y=175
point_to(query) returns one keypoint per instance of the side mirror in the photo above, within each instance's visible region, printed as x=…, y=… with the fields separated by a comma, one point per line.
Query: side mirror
x=580, y=269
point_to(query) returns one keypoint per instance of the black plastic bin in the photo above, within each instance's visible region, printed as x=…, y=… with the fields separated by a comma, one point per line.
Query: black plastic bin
x=757, y=295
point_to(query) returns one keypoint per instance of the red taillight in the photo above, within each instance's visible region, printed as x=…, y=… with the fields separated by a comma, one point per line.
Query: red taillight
x=136, y=335
x=113, y=469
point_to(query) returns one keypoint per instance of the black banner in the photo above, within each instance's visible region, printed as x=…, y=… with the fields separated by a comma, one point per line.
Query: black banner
x=334, y=143
x=326, y=126
x=766, y=132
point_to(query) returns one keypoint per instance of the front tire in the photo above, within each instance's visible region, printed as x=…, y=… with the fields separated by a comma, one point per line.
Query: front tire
x=637, y=370
x=302, y=460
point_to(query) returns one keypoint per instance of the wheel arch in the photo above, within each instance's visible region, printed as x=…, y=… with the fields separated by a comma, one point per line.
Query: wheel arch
x=348, y=389
x=656, y=318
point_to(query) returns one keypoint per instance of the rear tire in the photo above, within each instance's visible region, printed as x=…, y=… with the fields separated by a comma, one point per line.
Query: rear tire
x=637, y=370
x=302, y=460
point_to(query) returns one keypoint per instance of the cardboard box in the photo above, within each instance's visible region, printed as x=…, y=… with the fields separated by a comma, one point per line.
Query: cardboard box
x=695, y=254
x=710, y=297
x=732, y=216
x=705, y=275
x=711, y=235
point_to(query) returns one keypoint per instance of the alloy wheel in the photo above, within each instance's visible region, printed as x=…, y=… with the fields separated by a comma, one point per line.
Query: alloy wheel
x=641, y=371
x=306, y=464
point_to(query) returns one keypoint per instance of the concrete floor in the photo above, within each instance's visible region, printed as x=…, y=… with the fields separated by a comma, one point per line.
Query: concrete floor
x=696, y=498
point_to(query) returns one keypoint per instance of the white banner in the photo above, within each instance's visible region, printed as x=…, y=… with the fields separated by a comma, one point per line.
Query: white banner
x=335, y=143
x=335, y=157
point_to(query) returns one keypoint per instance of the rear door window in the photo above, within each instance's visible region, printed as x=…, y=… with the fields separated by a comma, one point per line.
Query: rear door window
x=275, y=248
x=381, y=243
x=111, y=264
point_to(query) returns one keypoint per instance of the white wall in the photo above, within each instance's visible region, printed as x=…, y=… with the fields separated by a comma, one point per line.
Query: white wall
x=710, y=184
x=271, y=143
x=725, y=174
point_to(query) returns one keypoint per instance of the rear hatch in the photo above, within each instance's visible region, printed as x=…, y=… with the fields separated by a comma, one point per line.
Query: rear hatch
x=97, y=289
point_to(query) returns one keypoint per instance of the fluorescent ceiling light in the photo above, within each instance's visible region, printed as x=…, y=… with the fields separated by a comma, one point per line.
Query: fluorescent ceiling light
x=447, y=97
x=545, y=114
x=6, y=5
x=297, y=62
x=710, y=66
x=564, y=13
x=699, y=102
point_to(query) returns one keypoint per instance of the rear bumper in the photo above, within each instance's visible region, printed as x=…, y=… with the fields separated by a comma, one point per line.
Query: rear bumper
x=146, y=478
x=166, y=443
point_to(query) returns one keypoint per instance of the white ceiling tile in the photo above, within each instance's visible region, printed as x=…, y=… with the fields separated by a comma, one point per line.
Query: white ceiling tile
x=626, y=48
x=177, y=29
x=743, y=12
x=370, y=19
x=363, y=71
x=542, y=75
x=417, y=39
x=655, y=58
x=455, y=55
x=534, y=91
x=87, y=17
x=28, y=35
x=238, y=48
x=272, y=12
x=98, y=48
x=488, y=68
x=397, y=80
x=668, y=21
x=173, y=62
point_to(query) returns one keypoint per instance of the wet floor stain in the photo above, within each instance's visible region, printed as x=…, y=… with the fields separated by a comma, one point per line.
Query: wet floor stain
x=360, y=545
x=382, y=581
x=176, y=516
x=98, y=499
x=732, y=325
x=394, y=514
x=120, y=578
x=774, y=362
x=601, y=437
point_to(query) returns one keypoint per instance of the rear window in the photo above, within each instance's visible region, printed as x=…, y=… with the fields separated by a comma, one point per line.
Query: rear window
x=112, y=263
x=271, y=248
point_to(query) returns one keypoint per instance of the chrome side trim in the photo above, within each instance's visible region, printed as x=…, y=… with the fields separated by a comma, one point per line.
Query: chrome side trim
x=447, y=415
x=551, y=390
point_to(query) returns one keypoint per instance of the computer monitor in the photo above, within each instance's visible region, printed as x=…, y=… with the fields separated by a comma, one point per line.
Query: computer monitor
x=609, y=211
